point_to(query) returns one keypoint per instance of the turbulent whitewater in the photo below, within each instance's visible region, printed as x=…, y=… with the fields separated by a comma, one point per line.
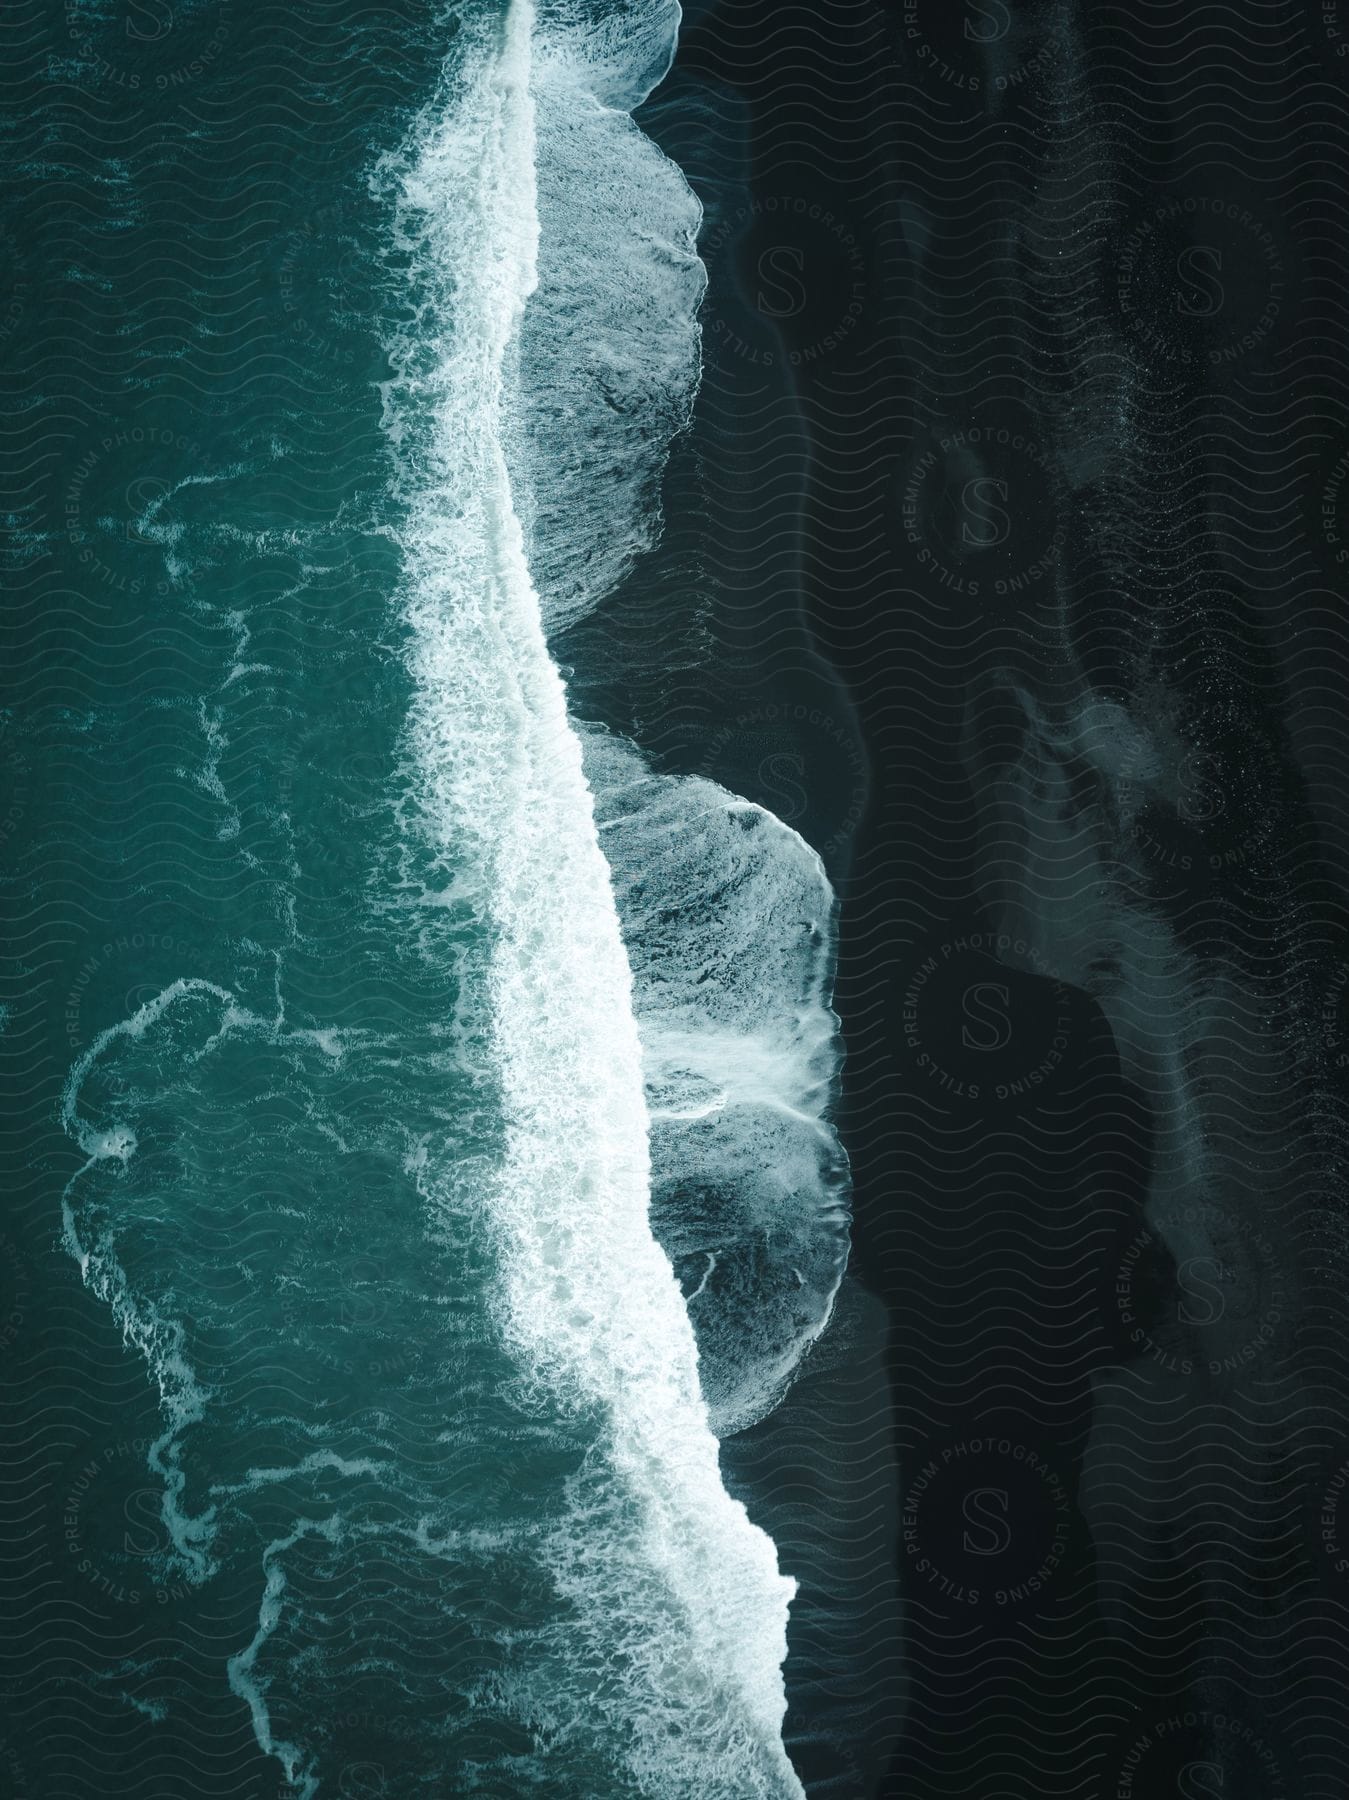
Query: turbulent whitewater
x=683, y=1602
x=727, y=915
x=488, y=1174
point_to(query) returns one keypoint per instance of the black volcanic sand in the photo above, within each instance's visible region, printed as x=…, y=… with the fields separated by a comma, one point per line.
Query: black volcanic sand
x=876, y=532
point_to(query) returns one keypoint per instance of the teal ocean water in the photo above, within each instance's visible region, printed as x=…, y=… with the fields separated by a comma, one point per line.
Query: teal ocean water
x=443, y=1093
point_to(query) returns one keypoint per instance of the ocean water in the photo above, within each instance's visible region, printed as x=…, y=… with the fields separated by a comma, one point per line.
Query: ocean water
x=448, y=1115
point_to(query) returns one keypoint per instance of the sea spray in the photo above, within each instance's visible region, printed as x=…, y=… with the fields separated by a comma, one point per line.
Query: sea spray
x=680, y=1609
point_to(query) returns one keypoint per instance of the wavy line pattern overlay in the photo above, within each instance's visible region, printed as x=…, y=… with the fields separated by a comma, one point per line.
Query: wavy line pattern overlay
x=1003, y=559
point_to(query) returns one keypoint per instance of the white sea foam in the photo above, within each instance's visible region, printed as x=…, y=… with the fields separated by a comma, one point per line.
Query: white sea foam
x=609, y=346
x=728, y=918
x=242, y=1666
x=681, y=1610
x=90, y=1233
x=608, y=369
